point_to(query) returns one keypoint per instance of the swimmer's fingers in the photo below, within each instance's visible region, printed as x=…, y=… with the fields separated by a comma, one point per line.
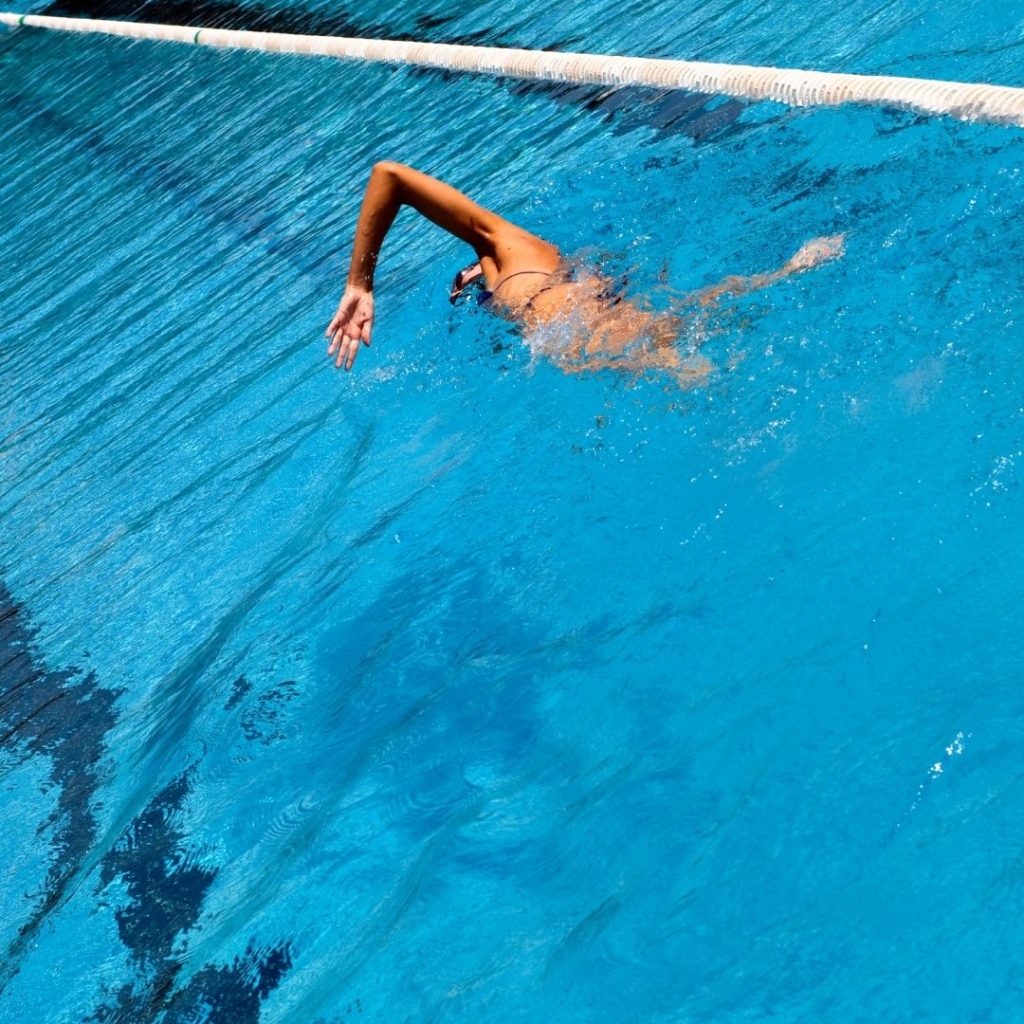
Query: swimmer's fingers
x=333, y=326
x=338, y=346
x=351, y=324
x=344, y=347
x=349, y=349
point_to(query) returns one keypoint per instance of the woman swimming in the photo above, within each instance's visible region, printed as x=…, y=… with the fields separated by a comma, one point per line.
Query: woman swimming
x=527, y=281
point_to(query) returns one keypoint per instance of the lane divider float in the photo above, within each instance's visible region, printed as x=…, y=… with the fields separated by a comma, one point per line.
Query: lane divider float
x=996, y=104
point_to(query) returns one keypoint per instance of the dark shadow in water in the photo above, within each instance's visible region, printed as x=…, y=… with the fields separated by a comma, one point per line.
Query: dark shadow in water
x=254, y=18
x=166, y=887
x=263, y=719
x=239, y=689
x=700, y=116
x=65, y=717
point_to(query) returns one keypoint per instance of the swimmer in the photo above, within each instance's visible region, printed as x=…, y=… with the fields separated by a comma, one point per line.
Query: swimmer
x=526, y=280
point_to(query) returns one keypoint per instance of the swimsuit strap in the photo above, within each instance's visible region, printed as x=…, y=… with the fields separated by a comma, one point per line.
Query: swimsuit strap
x=486, y=296
x=501, y=281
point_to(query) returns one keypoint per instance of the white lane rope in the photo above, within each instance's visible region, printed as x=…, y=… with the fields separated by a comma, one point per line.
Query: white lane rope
x=998, y=104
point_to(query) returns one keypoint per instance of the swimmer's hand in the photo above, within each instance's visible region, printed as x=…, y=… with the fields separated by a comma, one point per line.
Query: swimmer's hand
x=351, y=325
x=814, y=252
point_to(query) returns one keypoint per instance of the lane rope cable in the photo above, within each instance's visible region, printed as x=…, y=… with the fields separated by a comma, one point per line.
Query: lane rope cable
x=997, y=104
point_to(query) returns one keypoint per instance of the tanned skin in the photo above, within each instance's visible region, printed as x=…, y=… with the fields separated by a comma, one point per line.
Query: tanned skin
x=521, y=270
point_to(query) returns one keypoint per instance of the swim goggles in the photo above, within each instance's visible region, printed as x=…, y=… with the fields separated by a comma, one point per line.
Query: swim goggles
x=473, y=274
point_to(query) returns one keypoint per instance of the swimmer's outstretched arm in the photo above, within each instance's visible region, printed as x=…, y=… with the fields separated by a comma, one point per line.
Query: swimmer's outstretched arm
x=501, y=246
x=810, y=254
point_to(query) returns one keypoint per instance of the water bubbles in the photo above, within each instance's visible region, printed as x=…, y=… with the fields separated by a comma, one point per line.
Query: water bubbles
x=954, y=749
x=935, y=771
x=1002, y=476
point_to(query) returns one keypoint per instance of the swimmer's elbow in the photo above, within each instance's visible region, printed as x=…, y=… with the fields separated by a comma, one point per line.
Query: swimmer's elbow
x=388, y=169
x=403, y=183
x=387, y=175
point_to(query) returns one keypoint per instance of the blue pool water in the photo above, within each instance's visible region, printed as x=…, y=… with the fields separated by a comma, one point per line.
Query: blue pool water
x=459, y=688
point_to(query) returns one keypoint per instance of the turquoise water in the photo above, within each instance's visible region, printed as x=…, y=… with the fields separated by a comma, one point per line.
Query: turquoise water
x=459, y=688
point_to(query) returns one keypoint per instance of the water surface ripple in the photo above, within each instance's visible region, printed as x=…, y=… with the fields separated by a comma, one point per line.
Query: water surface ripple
x=461, y=688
